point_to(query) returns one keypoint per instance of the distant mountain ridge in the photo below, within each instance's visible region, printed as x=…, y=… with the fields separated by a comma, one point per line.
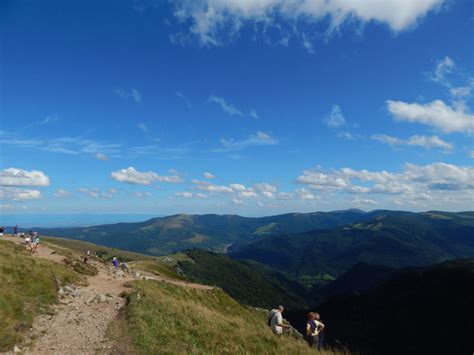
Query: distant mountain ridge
x=394, y=240
x=165, y=235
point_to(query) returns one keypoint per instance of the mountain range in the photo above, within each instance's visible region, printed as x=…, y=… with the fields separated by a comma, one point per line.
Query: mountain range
x=165, y=235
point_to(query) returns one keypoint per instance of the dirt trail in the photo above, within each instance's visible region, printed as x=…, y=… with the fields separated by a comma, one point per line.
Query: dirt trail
x=80, y=320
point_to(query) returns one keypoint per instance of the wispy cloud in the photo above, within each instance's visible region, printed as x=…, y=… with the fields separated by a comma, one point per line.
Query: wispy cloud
x=184, y=98
x=143, y=127
x=132, y=94
x=257, y=139
x=427, y=142
x=225, y=106
x=47, y=120
x=335, y=119
x=98, y=193
x=214, y=23
x=254, y=114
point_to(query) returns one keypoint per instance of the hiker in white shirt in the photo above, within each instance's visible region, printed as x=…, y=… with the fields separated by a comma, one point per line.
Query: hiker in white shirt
x=276, y=321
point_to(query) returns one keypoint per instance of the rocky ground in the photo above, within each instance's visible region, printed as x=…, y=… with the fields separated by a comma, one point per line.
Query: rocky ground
x=79, y=323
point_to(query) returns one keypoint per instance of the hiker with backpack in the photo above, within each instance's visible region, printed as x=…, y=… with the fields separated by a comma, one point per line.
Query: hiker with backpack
x=314, y=330
x=275, y=320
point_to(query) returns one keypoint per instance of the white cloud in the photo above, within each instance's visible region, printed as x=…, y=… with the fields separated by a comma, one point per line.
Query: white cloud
x=214, y=21
x=237, y=201
x=258, y=139
x=207, y=186
x=307, y=44
x=6, y=207
x=459, y=84
x=208, y=175
x=188, y=194
x=184, y=98
x=285, y=196
x=143, y=127
x=443, y=68
x=226, y=107
x=62, y=193
x=304, y=194
x=142, y=194
x=427, y=142
x=132, y=176
x=335, y=118
x=98, y=193
x=132, y=94
x=254, y=114
x=364, y=202
x=20, y=177
x=437, y=114
x=413, y=180
x=101, y=156
x=15, y=194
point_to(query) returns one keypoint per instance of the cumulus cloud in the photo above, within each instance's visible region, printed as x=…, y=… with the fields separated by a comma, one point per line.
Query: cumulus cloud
x=304, y=194
x=258, y=139
x=214, y=21
x=132, y=176
x=208, y=175
x=335, y=118
x=437, y=114
x=16, y=194
x=413, y=180
x=225, y=106
x=132, y=94
x=20, y=177
x=427, y=142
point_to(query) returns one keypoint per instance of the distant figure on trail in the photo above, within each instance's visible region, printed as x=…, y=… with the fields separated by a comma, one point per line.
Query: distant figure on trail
x=15, y=230
x=115, y=262
x=87, y=256
x=35, y=242
x=124, y=265
x=2, y=230
x=276, y=320
x=314, y=330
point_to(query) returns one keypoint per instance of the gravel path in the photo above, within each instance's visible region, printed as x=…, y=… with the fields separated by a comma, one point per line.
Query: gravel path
x=79, y=322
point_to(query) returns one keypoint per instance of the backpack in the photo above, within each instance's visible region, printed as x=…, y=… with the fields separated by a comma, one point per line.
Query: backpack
x=270, y=317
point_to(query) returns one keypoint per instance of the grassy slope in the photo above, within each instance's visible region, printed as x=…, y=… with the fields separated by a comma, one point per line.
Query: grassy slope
x=166, y=319
x=27, y=288
x=105, y=253
x=248, y=282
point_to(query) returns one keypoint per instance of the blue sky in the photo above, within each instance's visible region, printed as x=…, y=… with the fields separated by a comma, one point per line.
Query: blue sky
x=253, y=108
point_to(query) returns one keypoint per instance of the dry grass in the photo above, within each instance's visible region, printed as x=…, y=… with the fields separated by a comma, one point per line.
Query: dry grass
x=28, y=287
x=167, y=319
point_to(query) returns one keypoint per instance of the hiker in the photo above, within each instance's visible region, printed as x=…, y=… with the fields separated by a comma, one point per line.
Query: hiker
x=87, y=256
x=15, y=231
x=115, y=262
x=35, y=242
x=276, y=320
x=124, y=266
x=314, y=330
x=2, y=230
